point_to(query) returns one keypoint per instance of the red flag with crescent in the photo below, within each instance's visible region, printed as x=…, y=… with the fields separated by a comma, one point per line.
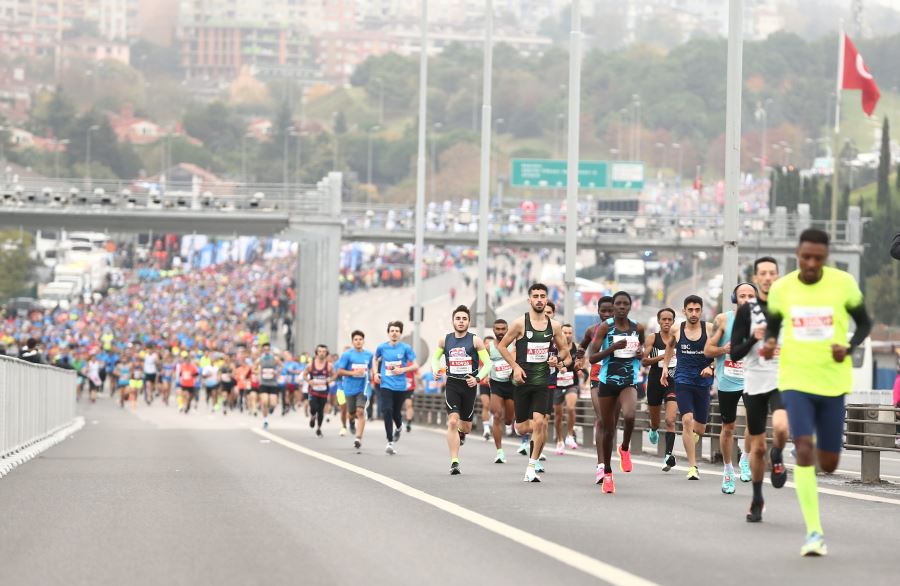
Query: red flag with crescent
x=856, y=76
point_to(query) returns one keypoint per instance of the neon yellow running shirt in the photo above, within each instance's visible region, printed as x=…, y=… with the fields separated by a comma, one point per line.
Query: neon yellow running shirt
x=814, y=317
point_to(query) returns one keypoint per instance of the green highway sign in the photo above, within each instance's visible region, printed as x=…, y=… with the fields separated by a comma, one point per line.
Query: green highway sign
x=551, y=174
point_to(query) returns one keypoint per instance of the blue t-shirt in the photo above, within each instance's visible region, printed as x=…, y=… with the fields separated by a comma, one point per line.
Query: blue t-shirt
x=431, y=386
x=399, y=355
x=354, y=385
x=290, y=370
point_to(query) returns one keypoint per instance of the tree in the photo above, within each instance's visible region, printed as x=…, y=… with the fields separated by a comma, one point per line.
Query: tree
x=15, y=264
x=883, y=294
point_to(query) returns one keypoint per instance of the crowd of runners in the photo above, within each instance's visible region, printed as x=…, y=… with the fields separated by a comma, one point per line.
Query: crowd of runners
x=781, y=350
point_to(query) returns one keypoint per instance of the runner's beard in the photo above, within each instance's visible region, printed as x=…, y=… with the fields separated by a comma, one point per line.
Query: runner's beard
x=538, y=309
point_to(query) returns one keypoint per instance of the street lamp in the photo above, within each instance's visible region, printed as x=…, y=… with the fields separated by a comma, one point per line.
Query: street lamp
x=289, y=131
x=372, y=129
x=87, y=169
x=437, y=128
x=380, y=83
x=56, y=144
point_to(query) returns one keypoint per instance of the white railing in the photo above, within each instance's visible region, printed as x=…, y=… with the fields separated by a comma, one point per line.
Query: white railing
x=35, y=401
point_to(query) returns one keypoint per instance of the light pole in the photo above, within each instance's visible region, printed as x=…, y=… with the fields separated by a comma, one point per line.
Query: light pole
x=372, y=129
x=57, y=144
x=573, y=155
x=418, y=264
x=87, y=168
x=484, y=188
x=733, y=102
x=380, y=83
x=662, y=146
x=636, y=144
x=434, y=165
x=286, y=166
x=677, y=146
x=337, y=143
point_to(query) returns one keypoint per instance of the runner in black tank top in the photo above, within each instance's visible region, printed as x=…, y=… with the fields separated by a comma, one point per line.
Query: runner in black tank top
x=654, y=352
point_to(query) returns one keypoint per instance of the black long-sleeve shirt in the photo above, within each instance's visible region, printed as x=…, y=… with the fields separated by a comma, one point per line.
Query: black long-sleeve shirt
x=742, y=339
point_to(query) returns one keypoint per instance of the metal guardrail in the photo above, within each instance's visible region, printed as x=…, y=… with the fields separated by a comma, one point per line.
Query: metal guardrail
x=35, y=401
x=869, y=429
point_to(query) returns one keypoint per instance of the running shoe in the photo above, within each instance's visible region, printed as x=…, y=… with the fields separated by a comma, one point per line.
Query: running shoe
x=462, y=438
x=531, y=474
x=509, y=431
x=319, y=432
x=728, y=484
x=571, y=443
x=654, y=437
x=668, y=462
x=408, y=427
x=265, y=424
x=500, y=458
x=390, y=449
x=538, y=467
x=560, y=448
x=357, y=444
x=397, y=435
x=624, y=459
x=745, y=470
x=454, y=469
x=693, y=473
x=312, y=421
x=486, y=435
x=599, y=476
x=523, y=447
x=754, y=515
x=353, y=427
x=814, y=546
x=608, y=486
x=542, y=457
x=779, y=472
x=343, y=432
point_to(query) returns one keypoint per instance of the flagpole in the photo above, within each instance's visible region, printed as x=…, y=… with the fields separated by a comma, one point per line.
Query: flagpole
x=835, y=184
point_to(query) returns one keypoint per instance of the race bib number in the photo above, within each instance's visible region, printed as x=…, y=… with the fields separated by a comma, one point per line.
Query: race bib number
x=565, y=379
x=226, y=378
x=281, y=379
x=632, y=343
x=389, y=365
x=319, y=385
x=359, y=370
x=268, y=373
x=734, y=368
x=459, y=363
x=812, y=324
x=502, y=370
x=537, y=352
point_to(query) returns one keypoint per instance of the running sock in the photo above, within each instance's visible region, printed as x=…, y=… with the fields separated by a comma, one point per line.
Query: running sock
x=807, y=495
x=744, y=457
x=454, y=460
x=757, y=491
x=729, y=469
x=531, y=462
x=670, y=441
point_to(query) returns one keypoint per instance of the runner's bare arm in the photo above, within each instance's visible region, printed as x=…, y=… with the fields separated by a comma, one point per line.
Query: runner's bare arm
x=648, y=349
x=712, y=348
x=595, y=355
x=485, y=358
x=561, y=344
x=640, y=351
x=512, y=334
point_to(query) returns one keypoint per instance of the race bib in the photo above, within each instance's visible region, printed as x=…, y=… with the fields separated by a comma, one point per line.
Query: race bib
x=632, y=343
x=537, y=352
x=565, y=379
x=268, y=373
x=763, y=361
x=502, y=370
x=319, y=385
x=812, y=324
x=390, y=364
x=359, y=370
x=458, y=362
x=734, y=368
x=281, y=379
x=226, y=378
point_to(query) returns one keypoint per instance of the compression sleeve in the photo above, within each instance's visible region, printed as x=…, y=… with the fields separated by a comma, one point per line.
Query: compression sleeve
x=486, y=363
x=742, y=339
x=863, y=324
x=436, y=359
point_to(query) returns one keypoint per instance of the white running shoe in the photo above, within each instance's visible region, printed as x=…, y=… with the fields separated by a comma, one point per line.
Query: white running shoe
x=571, y=443
x=343, y=432
x=560, y=448
x=390, y=449
x=531, y=475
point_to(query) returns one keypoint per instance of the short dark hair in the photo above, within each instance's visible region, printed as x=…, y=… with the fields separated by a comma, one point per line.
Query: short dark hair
x=323, y=346
x=567, y=325
x=693, y=299
x=355, y=333
x=761, y=260
x=621, y=294
x=552, y=306
x=264, y=344
x=31, y=343
x=395, y=324
x=461, y=309
x=486, y=338
x=815, y=236
x=500, y=320
x=604, y=299
x=663, y=310
x=537, y=287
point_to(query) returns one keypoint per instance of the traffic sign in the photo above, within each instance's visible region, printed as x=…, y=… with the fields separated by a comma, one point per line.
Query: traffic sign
x=552, y=174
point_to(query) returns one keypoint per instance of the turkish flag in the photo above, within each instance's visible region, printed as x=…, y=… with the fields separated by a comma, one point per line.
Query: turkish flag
x=856, y=76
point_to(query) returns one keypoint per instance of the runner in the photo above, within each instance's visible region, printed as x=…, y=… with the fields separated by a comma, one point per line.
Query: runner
x=618, y=347
x=503, y=408
x=166, y=376
x=484, y=395
x=605, y=311
x=463, y=351
x=136, y=384
x=693, y=377
x=390, y=376
x=151, y=373
x=290, y=370
x=761, y=394
x=354, y=365
x=318, y=375
x=187, y=373
x=209, y=372
x=532, y=335
x=123, y=379
x=226, y=393
x=654, y=352
x=242, y=375
x=814, y=303
x=730, y=378
x=408, y=411
x=566, y=393
x=266, y=369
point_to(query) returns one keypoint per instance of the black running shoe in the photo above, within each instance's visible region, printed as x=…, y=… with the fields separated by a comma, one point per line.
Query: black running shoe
x=754, y=515
x=312, y=422
x=318, y=433
x=779, y=472
x=454, y=469
x=397, y=434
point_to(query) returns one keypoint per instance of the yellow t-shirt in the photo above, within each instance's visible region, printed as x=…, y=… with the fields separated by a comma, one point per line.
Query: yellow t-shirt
x=814, y=317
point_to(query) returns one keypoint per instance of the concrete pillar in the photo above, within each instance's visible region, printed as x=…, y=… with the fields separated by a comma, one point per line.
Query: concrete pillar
x=854, y=225
x=804, y=218
x=779, y=224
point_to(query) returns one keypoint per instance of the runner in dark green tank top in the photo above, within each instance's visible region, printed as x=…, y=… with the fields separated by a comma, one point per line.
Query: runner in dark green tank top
x=532, y=334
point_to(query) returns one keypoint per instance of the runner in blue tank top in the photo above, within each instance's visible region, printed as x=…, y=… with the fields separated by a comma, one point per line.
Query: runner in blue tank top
x=730, y=377
x=693, y=377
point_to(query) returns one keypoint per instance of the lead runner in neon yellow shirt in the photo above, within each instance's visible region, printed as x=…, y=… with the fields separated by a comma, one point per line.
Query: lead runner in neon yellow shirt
x=815, y=304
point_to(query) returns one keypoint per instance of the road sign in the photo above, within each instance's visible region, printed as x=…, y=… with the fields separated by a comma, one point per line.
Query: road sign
x=552, y=174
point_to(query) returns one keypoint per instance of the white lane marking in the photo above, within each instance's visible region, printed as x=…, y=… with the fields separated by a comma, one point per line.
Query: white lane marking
x=639, y=460
x=560, y=553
